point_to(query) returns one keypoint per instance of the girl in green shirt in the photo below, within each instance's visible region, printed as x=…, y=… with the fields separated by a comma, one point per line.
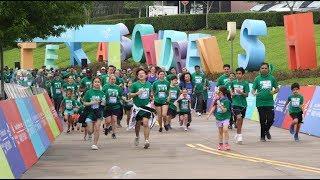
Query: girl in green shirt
x=95, y=99
x=68, y=106
x=184, y=107
x=222, y=112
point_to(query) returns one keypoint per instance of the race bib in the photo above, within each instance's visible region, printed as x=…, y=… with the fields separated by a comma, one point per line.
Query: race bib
x=219, y=110
x=29, y=83
x=238, y=88
x=189, y=91
x=162, y=94
x=198, y=80
x=112, y=100
x=184, y=106
x=130, y=103
x=144, y=95
x=295, y=102
x=95, y=106
x=69, y=105
x=173, y=94
x=58, y=91
x=265, y=84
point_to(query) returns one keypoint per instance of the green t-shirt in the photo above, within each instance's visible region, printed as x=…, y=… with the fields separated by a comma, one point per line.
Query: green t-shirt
x=168, y=78
x=94, y=94
x=295, y=102
x=264, y=86
x=222, y=80
x=80, y=105
x=237, y=99
x=198, y=80
x=69, y=103
x=73, y=87
x=86, y=82
x=144, y=98
x=113, y=95
x=160, y=89
x=184, y=105
x=220, y=116
x=174, y=93
x=56, y=86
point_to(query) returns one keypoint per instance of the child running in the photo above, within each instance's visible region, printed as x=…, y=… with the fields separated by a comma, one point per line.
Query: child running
x=222, y=113
x=295, y=110
x=174, y=92
x=68, y=105
x=127, y=102
x=184, y=108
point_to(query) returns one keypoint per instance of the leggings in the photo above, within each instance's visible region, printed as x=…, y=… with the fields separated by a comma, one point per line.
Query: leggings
x=266, y=115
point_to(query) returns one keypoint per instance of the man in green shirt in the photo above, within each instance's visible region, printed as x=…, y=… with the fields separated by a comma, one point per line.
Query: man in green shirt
x=198, y=79
x=264, y=87
x=239, y=92
x=56, y=91
x=86, y=82
x=224, y=79
x=295, y=109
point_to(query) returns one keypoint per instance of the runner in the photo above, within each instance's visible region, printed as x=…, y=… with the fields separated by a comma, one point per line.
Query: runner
x=186, y=82
x=173, y=72
x=95, y=99
x=174, y=93
x=221, y=108
x=160, y=92
x=127, y=102
x=184, y=108
x=263, y=88
x=140, y=92
x=86, y=82
x=68, y=106
x=113, y=109
x=71, y=85
x=152, y=76
x=56, y=91
x=232, y=77
x=198, y=79
x=239, y=92
x=295, y=110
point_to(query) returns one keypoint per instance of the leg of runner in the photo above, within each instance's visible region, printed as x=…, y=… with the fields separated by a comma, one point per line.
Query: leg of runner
x=262, y=118
x=137, y=131
x=113, y=122
x=108, y=122
x=269, y=120
x=128, y=112
x=146, y=131
x=296, y=137
x=96, y=125
x=226, y=135
x=164, y=117
x=158, y=109
x=220, y=138
x=185, y=121
x=66, y=119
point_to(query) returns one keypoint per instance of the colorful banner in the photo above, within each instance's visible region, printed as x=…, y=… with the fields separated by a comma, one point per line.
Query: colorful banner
x=31, y=129
x=48, y=115
x=10, y=149
x=5, y=171
x=311, y=120
x=279, y=110
x=58, y=120
x=19, y=132
x=42, y=118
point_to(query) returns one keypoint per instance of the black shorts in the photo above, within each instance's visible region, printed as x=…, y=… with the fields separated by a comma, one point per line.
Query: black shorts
x=127, y=108
x=112, y=112
x=172, y=113
x=183, y=113
x=142, y=114
x=297, y=115
x=239, y=110
x=160, y=104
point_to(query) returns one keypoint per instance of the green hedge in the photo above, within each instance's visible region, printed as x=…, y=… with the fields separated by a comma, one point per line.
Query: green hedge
x=111, y=17
x=193, y=22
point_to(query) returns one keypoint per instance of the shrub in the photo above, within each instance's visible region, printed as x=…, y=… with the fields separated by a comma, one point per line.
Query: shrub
x=111, y=17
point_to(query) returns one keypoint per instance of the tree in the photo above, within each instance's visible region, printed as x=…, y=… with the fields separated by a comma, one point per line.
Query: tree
x=88, y=10
x=138, y=5
x=27, y=20
x=208, y=8
x=290, y=5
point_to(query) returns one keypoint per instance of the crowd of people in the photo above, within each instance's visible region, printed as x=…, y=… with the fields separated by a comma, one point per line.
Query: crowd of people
x=88, y=100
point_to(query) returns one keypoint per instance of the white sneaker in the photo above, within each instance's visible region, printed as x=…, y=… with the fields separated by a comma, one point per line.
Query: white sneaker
x=136, y=141
x=94, y=147
x=198, y=113
x=185, y=129
x=236, y=138
x=127, y=129
x=240, y=139
x=146, y=144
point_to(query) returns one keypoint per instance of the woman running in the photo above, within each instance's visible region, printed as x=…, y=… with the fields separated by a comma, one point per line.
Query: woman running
x=174, y=93
x=127, y=102
x=152, y=76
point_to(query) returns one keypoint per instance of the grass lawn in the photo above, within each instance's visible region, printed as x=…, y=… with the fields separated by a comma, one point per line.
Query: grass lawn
x=301, y=81
x=274, y=42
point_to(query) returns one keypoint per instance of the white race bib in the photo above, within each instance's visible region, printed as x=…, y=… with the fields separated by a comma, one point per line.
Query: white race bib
x=69, y=105
x=198, y=80
x=162, y=94
x=295, y=102
x=95, y=106
x=238, y=88
x=58, y=91
x=173, y=94
x=265, y=84
x=144, y=95
x=112, y=100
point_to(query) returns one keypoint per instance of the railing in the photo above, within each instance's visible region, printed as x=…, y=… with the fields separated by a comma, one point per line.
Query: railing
x=14, y=91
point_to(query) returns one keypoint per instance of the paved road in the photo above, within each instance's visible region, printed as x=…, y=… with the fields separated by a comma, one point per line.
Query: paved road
x=179, y=154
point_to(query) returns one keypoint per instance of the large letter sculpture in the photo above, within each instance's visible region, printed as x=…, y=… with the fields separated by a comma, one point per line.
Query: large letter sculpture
x=51, y=55
x=166, y=56
x=26, y=54
x=102, y=52
x=158, y=48
x=193, y=57
x=137, y=48
x=232, y=28
x=255, y=49
x=180, y=54
x=126, y=45
x=300, y=41
x=209, y=51
x=76, y=53
x=148, y=46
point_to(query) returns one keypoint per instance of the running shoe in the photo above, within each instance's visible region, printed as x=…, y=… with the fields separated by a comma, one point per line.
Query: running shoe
x=166, y=127
x=185, y=129
x=106, y=131
x=226, y=147
x=68, y=131
x=146, y=144
x=198, y=113
x=239, y=139
x=136, y=141
x=220, y=146
x=263, y=139
x=188, y=124
x=230, y=126
x=296, y=137
x=94, y=147
x=236, y=138
x=72, y=128
x=114, y=136
x=169, y=126
x=291, y=129
x=160, y=129
x=268, y=134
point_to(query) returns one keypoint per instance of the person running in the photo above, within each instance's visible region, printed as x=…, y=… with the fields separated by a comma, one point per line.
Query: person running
x=232, y=77
x=86, y=82
x=184, y=108
x=71, y=85
x=186, y=82
x=68, y=106
x=174, y=93
x=198, y=80
x=295, y=101
x=264, y=87
x=127, y=102
x=152, y=76
x=173, y=72
x=224, y=79
x=140, y=92
x=221, y=108
x=113, y=109
x=95, y=99
x=239, y=93
x=160, y=90
x=56, y=91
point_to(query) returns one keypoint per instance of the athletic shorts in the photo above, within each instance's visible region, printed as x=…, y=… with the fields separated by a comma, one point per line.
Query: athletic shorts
x=127, y=108
x=239, y=110
x=94, y=115
x=223, y=123
x=112, y=112
x=183, y=113
x=297, y=115
x=160, y=104
x=172, y=113
x=68, y=112
x=142, y=114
